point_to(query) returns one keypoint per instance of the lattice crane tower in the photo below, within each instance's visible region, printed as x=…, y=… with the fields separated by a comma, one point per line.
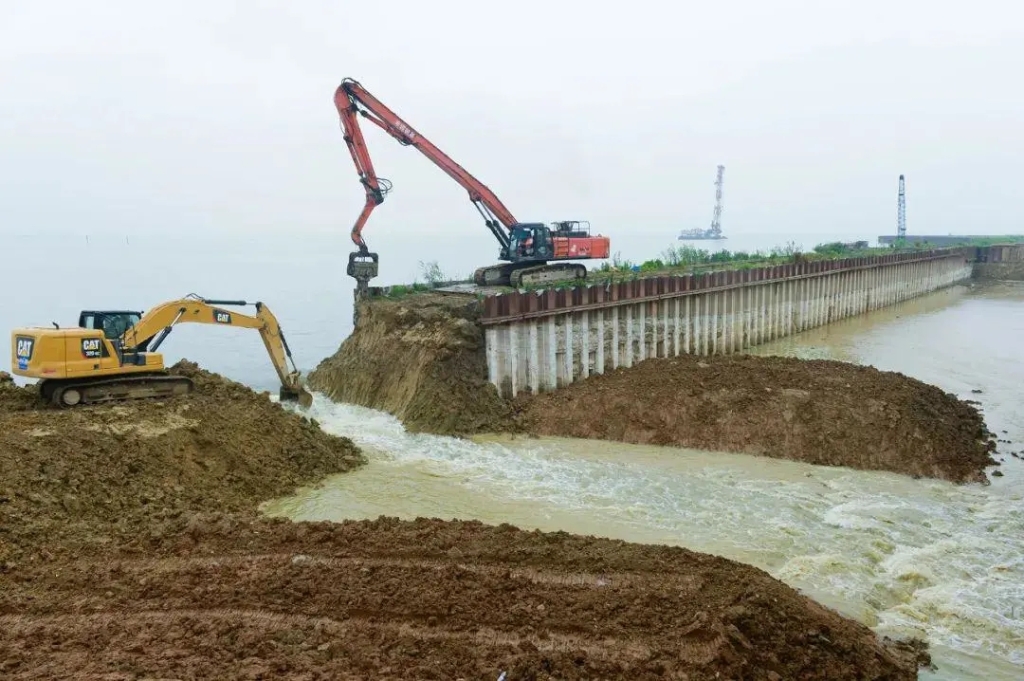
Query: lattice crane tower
x=901, y=212
x=716, y=220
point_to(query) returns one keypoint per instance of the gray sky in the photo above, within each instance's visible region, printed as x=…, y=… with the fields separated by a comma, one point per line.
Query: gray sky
x=141, y=117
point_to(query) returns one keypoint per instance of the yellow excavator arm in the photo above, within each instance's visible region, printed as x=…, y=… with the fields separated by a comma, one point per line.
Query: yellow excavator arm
x=154, y=326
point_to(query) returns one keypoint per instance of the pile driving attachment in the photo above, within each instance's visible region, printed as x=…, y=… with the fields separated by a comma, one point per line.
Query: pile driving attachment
x=362, y=266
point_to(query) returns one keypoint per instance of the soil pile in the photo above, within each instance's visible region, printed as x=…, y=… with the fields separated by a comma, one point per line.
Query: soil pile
x=427, y=599
x=821, y=412
x=94, y=474
x=420, y=358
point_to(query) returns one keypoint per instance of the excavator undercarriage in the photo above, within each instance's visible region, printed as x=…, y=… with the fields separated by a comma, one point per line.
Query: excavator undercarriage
x=529, y=273
x=72, y=392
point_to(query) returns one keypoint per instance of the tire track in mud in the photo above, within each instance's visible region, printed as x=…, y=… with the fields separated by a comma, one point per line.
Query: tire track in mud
x=170, y=565
x=34, y=626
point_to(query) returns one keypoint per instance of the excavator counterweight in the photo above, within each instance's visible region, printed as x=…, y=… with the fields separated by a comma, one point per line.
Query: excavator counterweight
x=112, y=354
x=526, y=248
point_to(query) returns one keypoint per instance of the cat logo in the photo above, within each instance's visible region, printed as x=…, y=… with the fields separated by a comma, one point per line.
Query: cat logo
x=92, y=348
x=23, y=349
x=221, y=317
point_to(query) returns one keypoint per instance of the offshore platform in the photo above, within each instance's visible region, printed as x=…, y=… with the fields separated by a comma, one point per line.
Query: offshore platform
x=713, y=233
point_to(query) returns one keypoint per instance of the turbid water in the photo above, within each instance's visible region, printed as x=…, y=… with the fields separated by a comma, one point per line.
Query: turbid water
x=918, y=557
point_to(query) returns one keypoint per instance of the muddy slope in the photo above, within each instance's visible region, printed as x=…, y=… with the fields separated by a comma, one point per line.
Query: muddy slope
x=84, y=477
x=421, y=358
x=426, y=599
x=821, y=412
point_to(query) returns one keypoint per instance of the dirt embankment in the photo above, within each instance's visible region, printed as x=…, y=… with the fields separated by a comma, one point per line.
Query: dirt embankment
x=817, y=411
x=84, y=477
x=421, y=358
x=132, y=549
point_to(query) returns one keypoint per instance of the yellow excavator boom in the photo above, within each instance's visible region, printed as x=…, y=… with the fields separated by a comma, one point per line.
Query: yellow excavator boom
x=112, y=355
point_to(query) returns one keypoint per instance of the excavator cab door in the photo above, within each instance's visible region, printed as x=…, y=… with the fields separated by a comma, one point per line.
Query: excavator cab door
x=543, y=247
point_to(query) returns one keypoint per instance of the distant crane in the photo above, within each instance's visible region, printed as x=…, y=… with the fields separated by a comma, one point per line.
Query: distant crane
x=901, y=212
x=715, y=231
x=716, y=219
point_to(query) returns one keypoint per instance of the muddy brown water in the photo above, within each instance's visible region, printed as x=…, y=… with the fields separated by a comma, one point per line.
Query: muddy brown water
x=905, y=556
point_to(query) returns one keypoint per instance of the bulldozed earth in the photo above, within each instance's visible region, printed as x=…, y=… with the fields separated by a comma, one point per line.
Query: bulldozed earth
x=423, y=358
x=131, y=548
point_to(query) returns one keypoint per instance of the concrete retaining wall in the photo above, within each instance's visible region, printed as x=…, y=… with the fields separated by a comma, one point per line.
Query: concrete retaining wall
x=538, y=341
x=1000, y=262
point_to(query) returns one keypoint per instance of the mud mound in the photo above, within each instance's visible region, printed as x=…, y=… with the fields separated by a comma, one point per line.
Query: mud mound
x=421, y=358
x=390, y=599
x=86, y=475
x=14, y=398
x=821, y=412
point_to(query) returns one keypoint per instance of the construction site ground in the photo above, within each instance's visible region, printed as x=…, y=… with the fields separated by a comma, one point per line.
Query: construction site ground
x=131, y=548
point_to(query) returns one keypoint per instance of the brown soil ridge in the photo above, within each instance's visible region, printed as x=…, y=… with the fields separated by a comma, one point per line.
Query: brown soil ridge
x=82, y=476
x=821, y=412
x=420, y=358
x=423, y=359
x=225, y=596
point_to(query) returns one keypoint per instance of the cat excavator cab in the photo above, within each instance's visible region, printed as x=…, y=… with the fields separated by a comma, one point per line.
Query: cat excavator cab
x=112, y=354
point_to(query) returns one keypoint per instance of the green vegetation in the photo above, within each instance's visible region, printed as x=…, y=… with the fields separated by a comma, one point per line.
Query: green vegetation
x=434, y=278
x=691, y=260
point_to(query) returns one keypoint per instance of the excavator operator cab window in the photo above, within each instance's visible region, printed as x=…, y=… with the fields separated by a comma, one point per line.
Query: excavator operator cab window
x=113, y=324
x=520, y=245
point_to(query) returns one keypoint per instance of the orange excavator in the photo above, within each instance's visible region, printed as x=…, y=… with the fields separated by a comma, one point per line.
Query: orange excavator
x=526, y=248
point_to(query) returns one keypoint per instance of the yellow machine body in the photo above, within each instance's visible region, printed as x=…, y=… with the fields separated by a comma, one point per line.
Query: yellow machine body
x=44, y=353
x=112, y=354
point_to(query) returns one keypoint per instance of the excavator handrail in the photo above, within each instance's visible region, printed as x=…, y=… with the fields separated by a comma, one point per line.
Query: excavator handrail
x=157, y=322
x=352, y=98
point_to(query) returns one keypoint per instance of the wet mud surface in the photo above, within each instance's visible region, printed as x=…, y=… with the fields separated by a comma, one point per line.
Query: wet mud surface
x=816, y=411
x=225, y=597
x=131, y=549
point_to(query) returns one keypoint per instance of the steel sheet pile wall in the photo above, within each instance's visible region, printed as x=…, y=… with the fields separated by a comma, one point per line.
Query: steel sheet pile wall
x=538, y=341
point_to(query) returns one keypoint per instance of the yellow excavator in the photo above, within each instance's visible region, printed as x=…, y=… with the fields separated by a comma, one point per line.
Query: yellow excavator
x=112, y=355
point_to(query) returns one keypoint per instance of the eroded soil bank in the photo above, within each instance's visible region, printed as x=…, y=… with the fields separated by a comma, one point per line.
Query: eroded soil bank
x=423, y=359
x=131, y=548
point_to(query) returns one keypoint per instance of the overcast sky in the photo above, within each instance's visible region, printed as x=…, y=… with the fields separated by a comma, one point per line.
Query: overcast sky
x=188, y=116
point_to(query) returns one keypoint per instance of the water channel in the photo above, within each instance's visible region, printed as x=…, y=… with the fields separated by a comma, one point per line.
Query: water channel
x=904, y=556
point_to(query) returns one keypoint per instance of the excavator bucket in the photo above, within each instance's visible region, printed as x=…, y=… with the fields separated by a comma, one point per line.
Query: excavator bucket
x=299, y=394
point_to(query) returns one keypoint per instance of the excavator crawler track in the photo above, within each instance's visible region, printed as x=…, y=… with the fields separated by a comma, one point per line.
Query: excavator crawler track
x=548, y=274
x=529, y=274
x=74, y=393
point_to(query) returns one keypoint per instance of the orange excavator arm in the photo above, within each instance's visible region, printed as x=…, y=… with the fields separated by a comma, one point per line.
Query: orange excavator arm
x=352, y=101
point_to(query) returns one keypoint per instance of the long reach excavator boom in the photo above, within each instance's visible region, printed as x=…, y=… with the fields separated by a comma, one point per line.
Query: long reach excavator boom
x=112, y=355
x=526, y=247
